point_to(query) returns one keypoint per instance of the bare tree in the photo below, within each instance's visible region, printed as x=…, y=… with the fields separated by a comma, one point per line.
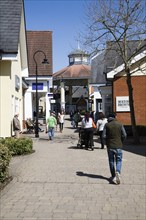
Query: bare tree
x=119, y=22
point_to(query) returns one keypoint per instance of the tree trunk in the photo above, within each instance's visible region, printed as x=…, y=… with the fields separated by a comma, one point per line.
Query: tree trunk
x=132, y=112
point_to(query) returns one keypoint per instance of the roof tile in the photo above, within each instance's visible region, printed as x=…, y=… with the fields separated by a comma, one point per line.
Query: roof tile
x=10, y=18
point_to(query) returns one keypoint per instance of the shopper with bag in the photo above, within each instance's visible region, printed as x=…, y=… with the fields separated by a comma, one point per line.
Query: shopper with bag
x=87, y=124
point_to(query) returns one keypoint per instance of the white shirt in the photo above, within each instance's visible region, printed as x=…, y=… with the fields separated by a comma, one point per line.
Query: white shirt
x=61, y=118
x=100, y=124
x=87, y=124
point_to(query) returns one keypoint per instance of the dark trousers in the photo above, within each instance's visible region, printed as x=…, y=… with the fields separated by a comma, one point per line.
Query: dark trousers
x=88, y=137
x=101, y=139
x=61, y=126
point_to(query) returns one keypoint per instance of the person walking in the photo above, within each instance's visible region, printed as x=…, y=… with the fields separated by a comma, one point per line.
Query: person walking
x=71, y=115
x=16, y=125
x=87, y=124
x=102, y=120
x=114, y=133
x=77, y=118
x=51, y=123
x=61, y=121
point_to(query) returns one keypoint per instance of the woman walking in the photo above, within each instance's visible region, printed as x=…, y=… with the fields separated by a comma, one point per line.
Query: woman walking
x=87, y=124
x=100, y=126
x=61, y=121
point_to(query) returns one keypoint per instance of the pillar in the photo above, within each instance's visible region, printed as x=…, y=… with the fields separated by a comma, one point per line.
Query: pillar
x=62, y=104
x=48, y=104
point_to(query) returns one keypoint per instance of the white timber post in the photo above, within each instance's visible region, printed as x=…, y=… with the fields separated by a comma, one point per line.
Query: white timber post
x=62, y=104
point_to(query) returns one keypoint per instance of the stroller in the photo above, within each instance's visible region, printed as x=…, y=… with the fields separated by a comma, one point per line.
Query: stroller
x=81, y=140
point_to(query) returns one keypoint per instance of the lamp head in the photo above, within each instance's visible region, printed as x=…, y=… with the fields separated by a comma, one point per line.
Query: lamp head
x=45, y=61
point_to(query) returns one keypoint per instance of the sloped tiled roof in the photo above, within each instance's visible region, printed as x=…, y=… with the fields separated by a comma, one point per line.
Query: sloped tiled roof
x=73, y=72
x=39, y=40
x=10, y=18
x=97, y=69
x=110, y=59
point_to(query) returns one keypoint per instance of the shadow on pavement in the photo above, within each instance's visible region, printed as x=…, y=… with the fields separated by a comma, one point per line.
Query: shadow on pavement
x=80, y=173
x=139, y=149
x=70, y=128
x=75, y=147
x=129, y=146
x=135, y=149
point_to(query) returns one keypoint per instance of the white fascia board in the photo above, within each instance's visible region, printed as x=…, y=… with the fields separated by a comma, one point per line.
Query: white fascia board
x=12, y=57
x=39, y=78
x=96, y=55
x=120, y=68
x=96, y=84
x=112, y=73
x=25, y=72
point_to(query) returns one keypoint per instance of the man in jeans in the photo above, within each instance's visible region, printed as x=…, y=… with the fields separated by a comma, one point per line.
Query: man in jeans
x=114, y=133
x=51, y=123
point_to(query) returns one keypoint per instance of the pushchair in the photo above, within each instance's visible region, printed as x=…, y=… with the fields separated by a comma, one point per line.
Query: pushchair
x=81, y=141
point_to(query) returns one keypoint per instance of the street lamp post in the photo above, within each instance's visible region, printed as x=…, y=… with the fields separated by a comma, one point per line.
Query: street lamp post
x=45, y=61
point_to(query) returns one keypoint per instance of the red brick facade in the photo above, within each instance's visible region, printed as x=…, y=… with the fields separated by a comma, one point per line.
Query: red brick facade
x=139, y=94
x=39, y=40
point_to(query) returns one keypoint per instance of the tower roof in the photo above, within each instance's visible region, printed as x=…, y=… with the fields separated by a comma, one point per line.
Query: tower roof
x=80, y=71
x=78, y=52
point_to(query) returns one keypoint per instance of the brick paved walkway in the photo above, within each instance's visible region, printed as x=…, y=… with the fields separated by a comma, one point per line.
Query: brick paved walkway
x=61, y=182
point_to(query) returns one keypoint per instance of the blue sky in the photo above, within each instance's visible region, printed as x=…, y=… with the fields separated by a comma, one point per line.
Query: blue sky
x=63, y=18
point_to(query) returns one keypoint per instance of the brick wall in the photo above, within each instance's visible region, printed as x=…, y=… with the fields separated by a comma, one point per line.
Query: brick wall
x=139, y=94
x=39, y=40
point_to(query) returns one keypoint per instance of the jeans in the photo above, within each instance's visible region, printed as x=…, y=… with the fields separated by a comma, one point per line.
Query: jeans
x=51, y=133
x=115, y=156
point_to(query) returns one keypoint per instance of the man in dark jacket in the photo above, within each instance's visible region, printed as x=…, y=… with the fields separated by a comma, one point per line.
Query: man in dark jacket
x=114, y=133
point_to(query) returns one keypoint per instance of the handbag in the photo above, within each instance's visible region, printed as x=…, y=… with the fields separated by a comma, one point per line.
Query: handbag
x=93, y=124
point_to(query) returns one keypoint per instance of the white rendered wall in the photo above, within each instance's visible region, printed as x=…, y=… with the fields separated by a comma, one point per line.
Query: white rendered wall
x=47, y=84
x=10, y=98
x=5, y=99
x=28, y=105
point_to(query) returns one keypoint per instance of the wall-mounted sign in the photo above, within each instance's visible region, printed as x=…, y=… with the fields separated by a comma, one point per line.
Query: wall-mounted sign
x=40, y=86
x=122, y=104
x=17, y=82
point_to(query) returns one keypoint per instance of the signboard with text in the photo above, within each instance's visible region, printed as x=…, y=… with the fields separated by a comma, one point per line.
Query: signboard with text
x=122, y=104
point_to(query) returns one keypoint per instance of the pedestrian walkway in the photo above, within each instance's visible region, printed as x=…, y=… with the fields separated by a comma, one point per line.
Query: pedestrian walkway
x=62, y=182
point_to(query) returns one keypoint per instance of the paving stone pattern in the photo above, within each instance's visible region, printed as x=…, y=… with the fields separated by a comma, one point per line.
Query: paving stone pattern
x=62, y=182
